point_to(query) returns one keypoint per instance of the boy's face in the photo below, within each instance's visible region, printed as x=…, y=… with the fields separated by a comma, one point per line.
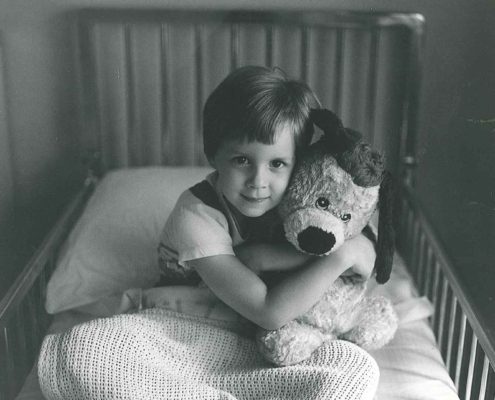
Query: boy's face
x=253, y=176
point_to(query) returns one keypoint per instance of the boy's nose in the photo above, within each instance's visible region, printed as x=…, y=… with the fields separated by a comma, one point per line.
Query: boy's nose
x=258, y=179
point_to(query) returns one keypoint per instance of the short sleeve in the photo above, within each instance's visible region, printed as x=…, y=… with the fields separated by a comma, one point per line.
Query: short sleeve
x=195, y=231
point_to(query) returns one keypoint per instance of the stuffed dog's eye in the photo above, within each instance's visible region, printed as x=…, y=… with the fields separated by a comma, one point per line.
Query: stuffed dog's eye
x=322, y=203
x=345, y=217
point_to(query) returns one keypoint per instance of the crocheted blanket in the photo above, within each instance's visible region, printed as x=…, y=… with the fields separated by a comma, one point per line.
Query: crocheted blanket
x=161, y=354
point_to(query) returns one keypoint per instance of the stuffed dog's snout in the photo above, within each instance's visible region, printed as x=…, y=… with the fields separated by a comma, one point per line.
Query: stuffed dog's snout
x=316, y=241
x=314, y=231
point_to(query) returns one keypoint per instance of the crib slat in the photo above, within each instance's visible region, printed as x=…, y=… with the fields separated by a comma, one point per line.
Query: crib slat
x=485, y=387
x=404, y=238
x=417, y=254
x=11, y=372
x=443, y=309
x=418, y=250
x=414, y=247
x=40, y=318
x=434, y=299
x=3, y=362
x=450, y=340
x=429, y=262
x=35, y=330
x=460, y=350
x=490, y=393
x=21, y=351
x=409, y=253
x=426, y=267
x=38, y=294
x=420, y=263
x=7, y=362
x=484, y=378
x=470, y=373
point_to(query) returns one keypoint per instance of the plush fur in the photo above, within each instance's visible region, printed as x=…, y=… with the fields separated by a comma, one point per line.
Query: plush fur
x=336, y=187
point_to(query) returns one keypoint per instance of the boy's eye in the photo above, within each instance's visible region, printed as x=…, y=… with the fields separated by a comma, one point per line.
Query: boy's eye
x=240, y=160
x=277, y=164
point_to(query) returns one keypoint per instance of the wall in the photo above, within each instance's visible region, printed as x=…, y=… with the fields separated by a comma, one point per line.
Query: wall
x=38, y=128
x=38, y=117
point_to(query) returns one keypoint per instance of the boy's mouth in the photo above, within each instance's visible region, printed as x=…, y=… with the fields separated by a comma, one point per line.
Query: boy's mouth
x=254, y=199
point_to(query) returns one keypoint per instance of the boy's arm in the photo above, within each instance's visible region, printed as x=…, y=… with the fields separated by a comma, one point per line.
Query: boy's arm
x=261, y=257
x=240, y=288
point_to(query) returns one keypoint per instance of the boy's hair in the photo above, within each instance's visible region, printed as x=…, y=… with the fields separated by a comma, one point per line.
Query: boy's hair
x=251, y=103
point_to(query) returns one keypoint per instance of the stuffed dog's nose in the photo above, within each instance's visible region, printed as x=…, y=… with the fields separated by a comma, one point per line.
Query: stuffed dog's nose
x=316, y=241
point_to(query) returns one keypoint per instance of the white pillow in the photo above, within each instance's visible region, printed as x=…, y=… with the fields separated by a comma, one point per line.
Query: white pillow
x=113, y=245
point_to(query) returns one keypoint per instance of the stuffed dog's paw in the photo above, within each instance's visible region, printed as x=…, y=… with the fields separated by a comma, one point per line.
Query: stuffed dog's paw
x=291, y=344
x=376, y=325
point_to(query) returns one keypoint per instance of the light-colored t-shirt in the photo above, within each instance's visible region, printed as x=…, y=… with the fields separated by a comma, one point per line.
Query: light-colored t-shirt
x=202, y=225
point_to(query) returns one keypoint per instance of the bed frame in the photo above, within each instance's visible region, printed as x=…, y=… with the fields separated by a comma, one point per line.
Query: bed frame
x=144, y=76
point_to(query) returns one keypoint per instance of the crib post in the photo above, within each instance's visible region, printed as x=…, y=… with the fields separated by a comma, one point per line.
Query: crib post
x=410, y=118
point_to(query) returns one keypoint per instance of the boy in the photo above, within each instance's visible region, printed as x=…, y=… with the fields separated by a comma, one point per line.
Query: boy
x=255, y=123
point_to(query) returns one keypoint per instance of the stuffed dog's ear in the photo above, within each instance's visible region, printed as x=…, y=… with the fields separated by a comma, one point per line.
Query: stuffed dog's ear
x=386, y=232
x=336, y=138
x=326, y=120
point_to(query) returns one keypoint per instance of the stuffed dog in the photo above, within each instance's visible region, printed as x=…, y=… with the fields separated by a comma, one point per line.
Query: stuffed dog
x=336, y=187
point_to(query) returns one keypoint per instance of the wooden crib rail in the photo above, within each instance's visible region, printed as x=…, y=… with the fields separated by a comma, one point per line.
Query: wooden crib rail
x=23, y=319
x=463, y=337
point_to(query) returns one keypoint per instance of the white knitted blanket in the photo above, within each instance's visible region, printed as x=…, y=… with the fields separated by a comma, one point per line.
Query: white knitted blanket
x=161, y=354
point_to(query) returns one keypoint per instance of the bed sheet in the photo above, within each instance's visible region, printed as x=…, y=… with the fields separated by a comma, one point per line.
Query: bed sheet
x=411, y=367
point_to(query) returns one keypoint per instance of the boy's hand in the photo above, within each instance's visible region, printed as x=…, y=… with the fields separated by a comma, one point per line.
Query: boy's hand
x=359, y=254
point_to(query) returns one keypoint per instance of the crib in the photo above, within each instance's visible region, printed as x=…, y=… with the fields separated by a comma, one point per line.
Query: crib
x=143, y=78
